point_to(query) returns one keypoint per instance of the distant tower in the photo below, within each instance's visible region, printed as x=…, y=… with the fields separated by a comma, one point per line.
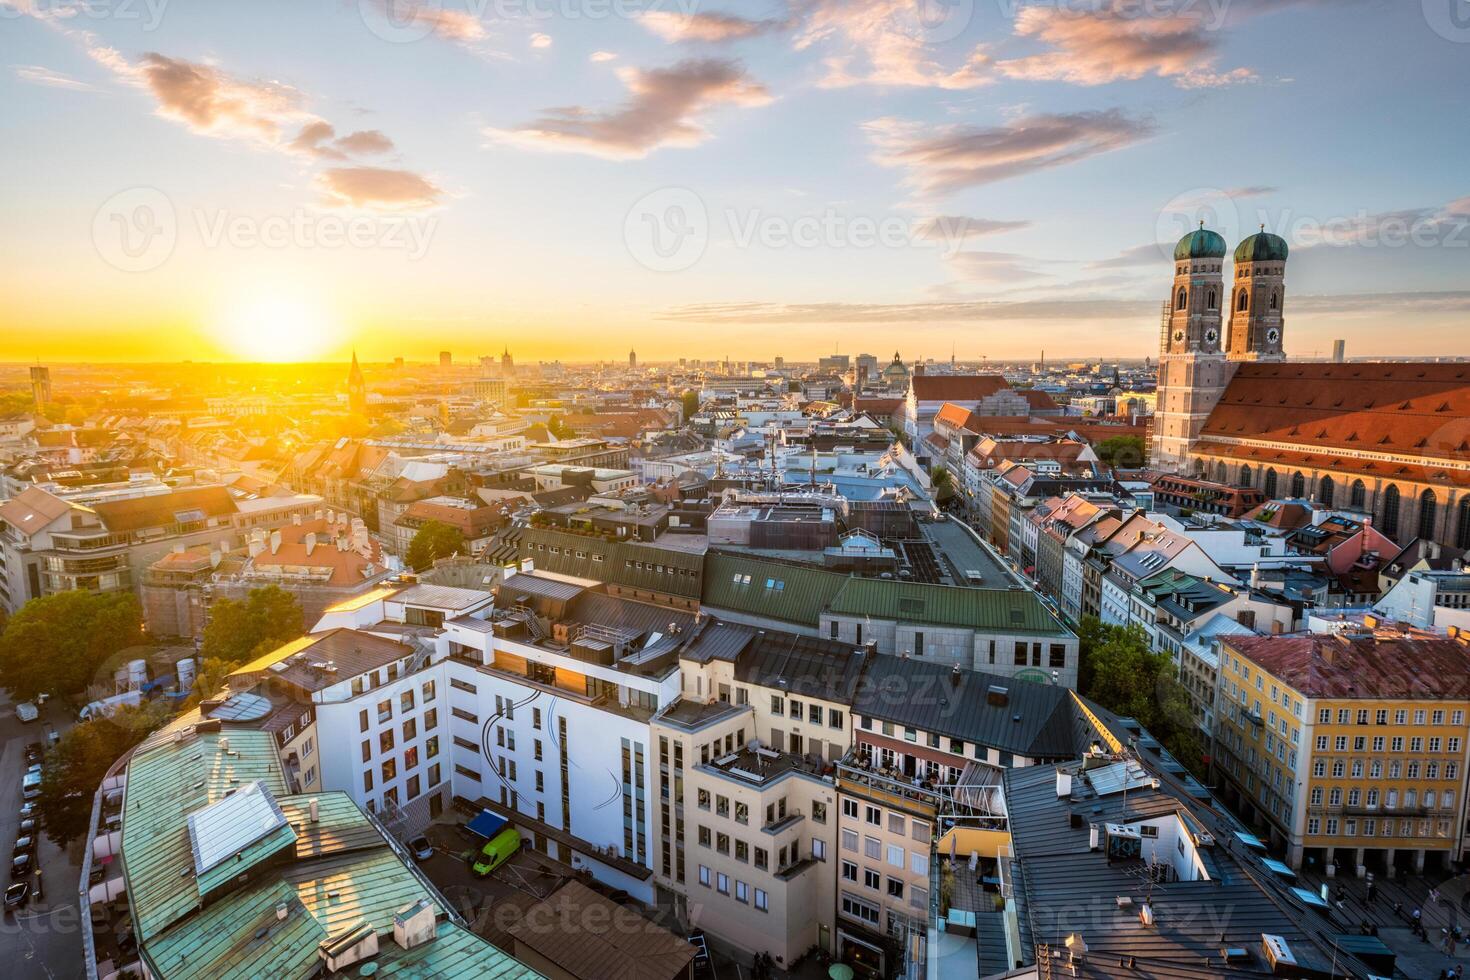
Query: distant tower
x=41, y=387
x=1257, y=295
x=632, y=360
x=507, y=366
x=1339, y=351
x=1192, y=368
x=356, y=388
x=446, y=360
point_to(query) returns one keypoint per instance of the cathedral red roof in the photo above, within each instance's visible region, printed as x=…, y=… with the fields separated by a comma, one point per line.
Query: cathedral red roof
x=956, y=387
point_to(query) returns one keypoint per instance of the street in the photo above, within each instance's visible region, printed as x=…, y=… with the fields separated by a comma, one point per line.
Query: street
x=44, y=937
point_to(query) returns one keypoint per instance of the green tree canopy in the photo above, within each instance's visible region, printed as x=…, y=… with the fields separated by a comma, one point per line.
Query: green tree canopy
x=433, y=541
x=690, y=403
x=56, y=643
x=1120, y=672
x=75, y=766
x=1123, y=452
x=242, y=629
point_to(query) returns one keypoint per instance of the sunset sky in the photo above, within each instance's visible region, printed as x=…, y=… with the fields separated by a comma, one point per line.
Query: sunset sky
x=290, y=180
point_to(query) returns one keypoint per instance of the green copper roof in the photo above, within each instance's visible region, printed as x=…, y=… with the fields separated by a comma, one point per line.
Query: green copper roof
x=1262, y=247
x=1200, y=244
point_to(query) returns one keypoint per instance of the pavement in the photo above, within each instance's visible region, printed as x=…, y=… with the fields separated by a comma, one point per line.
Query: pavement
x=42, y=939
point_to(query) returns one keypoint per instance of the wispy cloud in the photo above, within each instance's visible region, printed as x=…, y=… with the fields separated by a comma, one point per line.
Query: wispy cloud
x=379, y=189
x=36, y=75
x=961, y=228
x=892, y=42
x=953, y=157
x=461, y=26
x=706, y=26
x=211, y=102
x=601, y=56
x=540, y=41
x=661, y=110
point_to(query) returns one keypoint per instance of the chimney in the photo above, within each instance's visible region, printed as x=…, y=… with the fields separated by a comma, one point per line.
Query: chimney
x=313, y=809
x=296, y=518
x=1064, y=784
x=275, y=541
x=413, y=925
x=310, y=542
x=1256, y=575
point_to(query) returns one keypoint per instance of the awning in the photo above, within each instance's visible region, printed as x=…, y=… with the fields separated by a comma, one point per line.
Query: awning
x=1250, y=840
x=486, y=824
x=1276, y=866
x=1311, y=898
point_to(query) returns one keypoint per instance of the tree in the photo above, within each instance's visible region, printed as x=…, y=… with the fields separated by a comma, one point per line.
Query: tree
x=943, y=485
x=1121, y=452
x=242, y=629
x=433, y=541
x=1120, y=672
x=690, y=403
x=75, y=766
x=56, y=644
x=559, y=429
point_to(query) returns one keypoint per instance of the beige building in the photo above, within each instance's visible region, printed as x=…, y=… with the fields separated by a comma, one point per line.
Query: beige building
x=746, y=782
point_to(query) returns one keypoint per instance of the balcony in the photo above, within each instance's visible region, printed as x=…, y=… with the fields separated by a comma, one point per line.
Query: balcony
x=761, y=766
x=975, y=798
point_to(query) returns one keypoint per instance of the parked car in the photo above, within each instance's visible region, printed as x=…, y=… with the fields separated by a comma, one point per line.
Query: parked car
x=421, y=849
x=34, y=752
x=33, y=769
x=20, y=866
x=17, y=895
x=28, y=811
x=30, y=787
x=27, y=827
x=24, y=844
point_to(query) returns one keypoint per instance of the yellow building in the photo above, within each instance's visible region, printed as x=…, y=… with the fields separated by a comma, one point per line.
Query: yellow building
x=1350, y=747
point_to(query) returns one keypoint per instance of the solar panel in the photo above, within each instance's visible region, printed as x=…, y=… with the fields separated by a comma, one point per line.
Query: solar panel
x=242, y=707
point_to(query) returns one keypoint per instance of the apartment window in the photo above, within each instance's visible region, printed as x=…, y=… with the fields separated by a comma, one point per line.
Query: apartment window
x=778, y=706
x=385, y=710
x=896, y=855
x=428, y=691
x=742, y=892
x=763, y=858
x=762, y=900
x=405, y=700
x=385, y=740
x=704, y=836
x=895, y=888
x=856, y=908
x=704, y=876
x=849, y=871
x=873, y=848
x=536, y=720
x=367, y=780
x=390, y=769
x=834, y=718
x=362, y=720
x=722, y=843
x=850, y=808
x=850, y=840
x=896, y=823
x=722, y=883
x=819, y=849
x=874, y=816
x=431, y=746
x=367, y=750
x=742, y=851
x=410, y=729
x=872, y=879
x=819, y=810
x=464, y=715
x=465, y=686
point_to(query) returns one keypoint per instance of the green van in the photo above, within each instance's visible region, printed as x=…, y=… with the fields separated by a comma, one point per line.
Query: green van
x=497, y=851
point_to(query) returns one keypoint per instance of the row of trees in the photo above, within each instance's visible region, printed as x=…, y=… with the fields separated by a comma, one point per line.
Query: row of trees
x=1121, y=673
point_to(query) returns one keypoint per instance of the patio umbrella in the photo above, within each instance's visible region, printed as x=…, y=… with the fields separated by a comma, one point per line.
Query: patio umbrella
x=839, y=971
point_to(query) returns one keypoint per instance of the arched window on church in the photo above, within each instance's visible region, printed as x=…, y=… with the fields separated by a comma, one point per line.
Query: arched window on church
x=1179, y=303
x=1211, y=300
x=1357, y=495
x=1245, y=476
x=1240, y=300
x=1270, y=486
x=1275, y=299
x=1222, y=472
x=1298, y=485
x=1325, y=489
x=1462, y=523
x=1428, y=515
x=1388, y=523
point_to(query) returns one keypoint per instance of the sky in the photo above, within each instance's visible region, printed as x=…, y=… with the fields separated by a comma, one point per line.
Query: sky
x=572, y=179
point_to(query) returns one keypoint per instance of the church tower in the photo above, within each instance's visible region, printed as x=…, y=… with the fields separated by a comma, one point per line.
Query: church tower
x=1258, y=293
x=356, y=389
x=1192, y=366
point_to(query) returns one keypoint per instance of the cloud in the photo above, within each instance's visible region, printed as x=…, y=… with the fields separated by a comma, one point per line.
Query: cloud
x=600, y=56
x=36, y=75
x=365, y=141
x=955, y=229
x=660, y=111
x=378, y=188
x=461, y=26
x=209, y=101
x=954, y=157
x=1156, y=254
x=320, y=139
x=710, y=27
x=892, y=42
x=1113, y=42
x=1447, y=226
x=996, y=267
x=1253, y=190
x=540, y=40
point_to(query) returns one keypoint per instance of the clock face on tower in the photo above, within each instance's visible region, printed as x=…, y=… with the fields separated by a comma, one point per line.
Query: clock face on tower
x=1211, y=336
x=1178, y=336
x=1273, y=335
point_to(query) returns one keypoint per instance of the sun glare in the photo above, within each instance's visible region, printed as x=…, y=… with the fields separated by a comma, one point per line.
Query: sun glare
x=279, y=327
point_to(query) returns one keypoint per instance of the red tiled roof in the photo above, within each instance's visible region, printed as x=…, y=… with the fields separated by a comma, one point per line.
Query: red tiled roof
x=954, y=416
x=956, y=387
x=1406, y=409
x=1040, y=401
x=163, y=509
x=1378, y=665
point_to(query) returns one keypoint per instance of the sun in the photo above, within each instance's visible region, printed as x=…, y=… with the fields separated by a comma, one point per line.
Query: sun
x=281, y=327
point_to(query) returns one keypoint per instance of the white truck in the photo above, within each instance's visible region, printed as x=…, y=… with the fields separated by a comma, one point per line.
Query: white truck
x=26, y=712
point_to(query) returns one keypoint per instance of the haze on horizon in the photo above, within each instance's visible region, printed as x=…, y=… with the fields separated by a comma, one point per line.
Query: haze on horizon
x=575, y=179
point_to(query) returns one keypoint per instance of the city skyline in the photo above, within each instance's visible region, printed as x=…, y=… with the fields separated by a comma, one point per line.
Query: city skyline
x=980, y=178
